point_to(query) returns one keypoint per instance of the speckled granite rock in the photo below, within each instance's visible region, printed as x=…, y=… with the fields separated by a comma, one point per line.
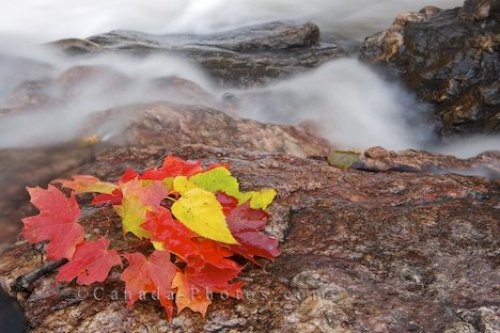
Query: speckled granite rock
x=362, y=252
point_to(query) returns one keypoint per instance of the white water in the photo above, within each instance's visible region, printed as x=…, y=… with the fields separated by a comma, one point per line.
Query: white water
x=47, y=20
x=352, y=105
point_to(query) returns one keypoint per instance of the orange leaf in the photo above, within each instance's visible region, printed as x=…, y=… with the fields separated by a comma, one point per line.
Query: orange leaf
x=150, y=275
x=84, y=184
x=189, y=296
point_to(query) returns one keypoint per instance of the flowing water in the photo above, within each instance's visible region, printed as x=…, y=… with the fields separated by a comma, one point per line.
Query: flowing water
x=354, y=107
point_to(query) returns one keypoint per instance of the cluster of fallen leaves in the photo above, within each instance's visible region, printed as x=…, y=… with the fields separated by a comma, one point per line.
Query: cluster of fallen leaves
x=197, y=220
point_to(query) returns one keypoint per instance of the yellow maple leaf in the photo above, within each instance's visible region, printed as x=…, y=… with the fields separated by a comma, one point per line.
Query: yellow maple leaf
x=260, y=199
x=200, y=211
x=221, y=180
x=133, y=213
x=215, y=180
x=139, y=197
x=182, y=184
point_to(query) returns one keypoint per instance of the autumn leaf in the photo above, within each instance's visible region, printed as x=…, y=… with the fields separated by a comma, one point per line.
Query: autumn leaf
x=215, y=279
x=181, y=185
x=196, y=238
x=115, y=198
x=200, y=211
x=173, y=166
x=91, y=263
x=150, y=275
x=172, y=234
x=138, y=199
x=84, y=184
x=258, y=200
x=189, y=295
x=128, y=175
x=246, y=224
x=210, y=252
x=227, y=202
x=343, y=159
x=56, y=222
x=184, y=243
x=219, y=179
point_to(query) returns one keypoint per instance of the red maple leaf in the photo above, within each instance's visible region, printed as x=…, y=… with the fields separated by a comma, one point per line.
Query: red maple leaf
x=150, y=275
x=91, y=263
x=173, y=166
x=227, y=202
x=114, y=198
x=247, y=224
x=56, y=222
x=128, y=175
x=214, y=279
x=191, y=248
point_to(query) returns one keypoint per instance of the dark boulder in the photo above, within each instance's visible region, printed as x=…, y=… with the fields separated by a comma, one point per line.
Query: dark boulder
x=243, y=57
x=450, y=58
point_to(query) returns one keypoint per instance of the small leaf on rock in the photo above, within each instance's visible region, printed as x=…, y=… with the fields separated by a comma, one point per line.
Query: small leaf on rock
x=343, y=159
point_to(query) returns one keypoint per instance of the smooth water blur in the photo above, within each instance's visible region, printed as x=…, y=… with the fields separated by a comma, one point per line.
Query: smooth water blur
x=45, y=20
x=347, y=103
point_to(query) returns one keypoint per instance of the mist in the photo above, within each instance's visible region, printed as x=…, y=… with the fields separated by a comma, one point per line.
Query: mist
x=347, y=103
x=344, y=100
x=46, y=20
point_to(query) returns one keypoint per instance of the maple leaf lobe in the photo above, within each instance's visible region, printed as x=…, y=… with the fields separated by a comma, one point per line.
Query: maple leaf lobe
x=56, y=222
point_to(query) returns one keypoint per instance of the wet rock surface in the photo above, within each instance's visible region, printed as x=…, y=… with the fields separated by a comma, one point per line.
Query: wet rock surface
x=450, y=58
x=243, y=57
x=363, y=251
x=162, y=125
x=378, y=159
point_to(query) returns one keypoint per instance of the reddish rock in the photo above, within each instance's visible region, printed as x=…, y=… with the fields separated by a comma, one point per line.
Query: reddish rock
x=362, y=251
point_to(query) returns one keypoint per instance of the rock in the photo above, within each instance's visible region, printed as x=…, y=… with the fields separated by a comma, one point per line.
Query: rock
x=77, y=78
x=31, y=94
x=165, y=126
x=147, y=124
x=22, y=81
x=450, y=58
x=378, y=159
x=185, y=91
x=475, y=9
x=11, y=320
x=361, y=251
x=243, y=57
x=75, y=46
x=73, y=83
x=101, y=83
